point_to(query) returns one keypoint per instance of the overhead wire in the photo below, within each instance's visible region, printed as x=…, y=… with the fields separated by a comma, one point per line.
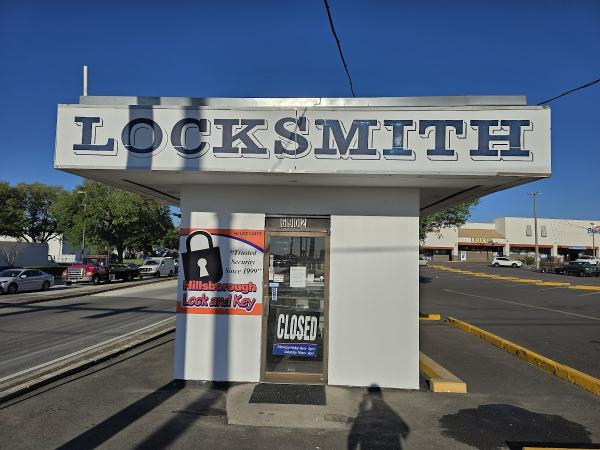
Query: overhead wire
x=570, y=91
x=339, y=46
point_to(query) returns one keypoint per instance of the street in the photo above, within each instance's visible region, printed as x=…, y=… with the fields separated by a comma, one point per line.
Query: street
x=558, y=322
x=36, y=333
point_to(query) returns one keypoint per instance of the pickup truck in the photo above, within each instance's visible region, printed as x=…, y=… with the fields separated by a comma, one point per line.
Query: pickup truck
x=588, y=259
x=582, y=269
x=96, y=269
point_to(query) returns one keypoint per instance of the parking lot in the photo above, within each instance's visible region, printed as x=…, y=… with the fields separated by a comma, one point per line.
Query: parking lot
x=535, y=310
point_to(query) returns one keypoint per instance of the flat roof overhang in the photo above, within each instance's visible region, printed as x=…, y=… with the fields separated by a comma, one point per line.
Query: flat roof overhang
x=441, y=183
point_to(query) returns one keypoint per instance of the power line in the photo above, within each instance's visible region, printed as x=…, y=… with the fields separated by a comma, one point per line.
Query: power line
x=339, y=46
x=583, y=86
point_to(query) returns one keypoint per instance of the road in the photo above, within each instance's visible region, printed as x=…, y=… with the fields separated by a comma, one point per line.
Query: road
x=555, y=321
x=36, y=333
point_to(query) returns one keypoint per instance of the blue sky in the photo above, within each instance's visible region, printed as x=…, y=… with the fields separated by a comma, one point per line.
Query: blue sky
x=285, y=49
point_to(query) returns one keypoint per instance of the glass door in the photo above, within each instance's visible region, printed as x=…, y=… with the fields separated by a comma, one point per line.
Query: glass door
x=295, y=316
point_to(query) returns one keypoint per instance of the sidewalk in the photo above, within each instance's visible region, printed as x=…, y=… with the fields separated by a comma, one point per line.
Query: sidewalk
x=131, y=402
x=61, y=292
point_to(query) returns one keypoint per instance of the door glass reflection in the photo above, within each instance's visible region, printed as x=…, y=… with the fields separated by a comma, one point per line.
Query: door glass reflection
x=296, y=322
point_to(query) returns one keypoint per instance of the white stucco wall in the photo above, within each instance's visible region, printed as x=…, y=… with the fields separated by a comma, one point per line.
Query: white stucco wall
x=374, y=292
x=373, y=309
x=446, y=237
x=564, y=232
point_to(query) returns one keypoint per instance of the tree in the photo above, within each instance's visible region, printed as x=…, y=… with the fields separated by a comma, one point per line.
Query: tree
x=27, y=211
x=171, y=239
x=11, y=213
x=452, y=217
x=112, y=218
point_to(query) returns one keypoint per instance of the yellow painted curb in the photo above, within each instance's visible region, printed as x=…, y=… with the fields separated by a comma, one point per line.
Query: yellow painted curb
x=430, y=316
x=583, y=380
x=526, y=280
x=585, y=287
x=553, y=283
x=439, y=378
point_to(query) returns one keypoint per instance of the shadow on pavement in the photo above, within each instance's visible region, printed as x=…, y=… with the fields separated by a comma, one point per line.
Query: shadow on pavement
x=499, y=425
x=377, y=426
x=166, y=433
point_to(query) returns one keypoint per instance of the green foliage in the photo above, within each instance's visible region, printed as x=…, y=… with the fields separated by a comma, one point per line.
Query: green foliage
x=11, y=213
x=112, y=218
x=171, y=239
x=451, y=217
x=27, y=213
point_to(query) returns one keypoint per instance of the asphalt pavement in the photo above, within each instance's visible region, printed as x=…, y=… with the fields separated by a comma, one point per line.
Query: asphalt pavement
x=558, y=322
x=35, y=333
x=132, y=402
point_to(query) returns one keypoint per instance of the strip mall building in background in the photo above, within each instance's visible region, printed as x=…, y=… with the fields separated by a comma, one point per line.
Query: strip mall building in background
x=300, y=216
x=515, y=237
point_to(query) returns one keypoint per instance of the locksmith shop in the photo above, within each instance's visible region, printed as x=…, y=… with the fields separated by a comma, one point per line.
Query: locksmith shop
x=300, y=216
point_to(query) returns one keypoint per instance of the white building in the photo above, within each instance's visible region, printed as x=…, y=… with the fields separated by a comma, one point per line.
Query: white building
x=56, y=249
x=300, y=217
x=514, y=236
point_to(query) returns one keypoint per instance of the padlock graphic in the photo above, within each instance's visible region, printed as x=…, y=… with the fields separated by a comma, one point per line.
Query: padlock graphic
x=204, y=264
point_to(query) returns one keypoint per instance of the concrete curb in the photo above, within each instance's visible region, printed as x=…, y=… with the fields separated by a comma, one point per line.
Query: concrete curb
x=20, y=383
x=440, y=379
x=423, y=316
x=583, y=380
x=77, y=293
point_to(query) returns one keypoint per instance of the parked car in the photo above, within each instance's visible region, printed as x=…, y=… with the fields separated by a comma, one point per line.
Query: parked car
x=588, y=259
x=96, y=269
x=422, y=261
x=158, y=267
x=505, y=261
x=18, y=280
x=125, y=272
x=582, y=269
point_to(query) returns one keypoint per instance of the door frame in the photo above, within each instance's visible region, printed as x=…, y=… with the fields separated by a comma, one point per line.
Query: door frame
x=294, y=377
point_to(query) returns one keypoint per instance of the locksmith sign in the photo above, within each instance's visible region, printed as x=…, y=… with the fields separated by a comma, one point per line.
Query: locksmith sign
x=395, y=141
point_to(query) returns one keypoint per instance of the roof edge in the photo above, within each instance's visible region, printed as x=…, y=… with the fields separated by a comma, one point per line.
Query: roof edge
x=486, y=100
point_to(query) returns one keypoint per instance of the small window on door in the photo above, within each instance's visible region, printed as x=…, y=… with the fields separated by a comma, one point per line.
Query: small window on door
x=543, y=231
x=528, y=230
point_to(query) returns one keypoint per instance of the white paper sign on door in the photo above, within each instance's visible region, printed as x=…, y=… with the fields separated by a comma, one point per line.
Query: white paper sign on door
x=298, y=276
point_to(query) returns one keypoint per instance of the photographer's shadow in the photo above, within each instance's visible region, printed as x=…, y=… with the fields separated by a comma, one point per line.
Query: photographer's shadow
x=377, y=426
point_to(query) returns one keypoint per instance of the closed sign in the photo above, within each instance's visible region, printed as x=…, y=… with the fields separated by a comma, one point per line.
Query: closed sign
x=296, y=333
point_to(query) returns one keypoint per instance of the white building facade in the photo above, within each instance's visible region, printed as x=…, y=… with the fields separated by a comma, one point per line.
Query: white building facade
x=515, y=237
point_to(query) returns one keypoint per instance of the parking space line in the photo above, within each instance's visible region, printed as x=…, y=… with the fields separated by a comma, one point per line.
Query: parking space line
x=590, y=293
x=522, y=304
x=581, y=379
x=478, y=275
x=551, y=288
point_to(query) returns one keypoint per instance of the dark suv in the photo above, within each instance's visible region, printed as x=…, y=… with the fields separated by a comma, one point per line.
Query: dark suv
x=582, y=269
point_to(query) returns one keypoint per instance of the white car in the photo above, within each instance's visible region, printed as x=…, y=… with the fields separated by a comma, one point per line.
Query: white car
x=17, y=280
x=158, y=267
x=588, y=259
x=505, y=261
x=422, y=261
